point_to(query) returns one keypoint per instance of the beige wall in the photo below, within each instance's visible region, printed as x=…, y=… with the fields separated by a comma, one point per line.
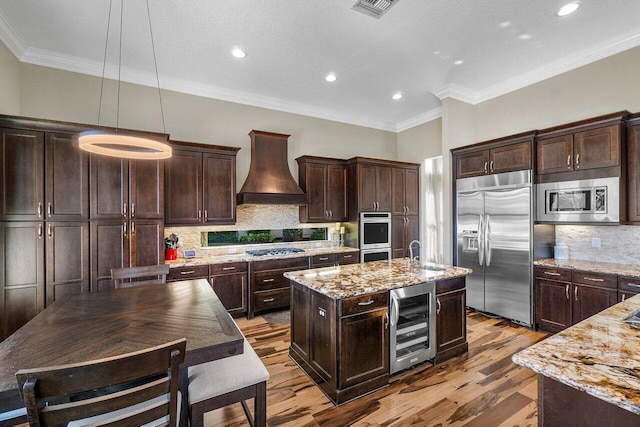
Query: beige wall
x=9, y=82
x=61, y=95
x=420, y=142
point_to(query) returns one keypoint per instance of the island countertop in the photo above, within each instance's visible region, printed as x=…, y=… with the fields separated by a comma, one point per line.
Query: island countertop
x=370, y=277
x=594, y=266
x=598, y=356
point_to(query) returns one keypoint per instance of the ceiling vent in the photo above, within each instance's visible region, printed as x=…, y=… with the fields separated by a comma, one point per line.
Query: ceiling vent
x=375, y=8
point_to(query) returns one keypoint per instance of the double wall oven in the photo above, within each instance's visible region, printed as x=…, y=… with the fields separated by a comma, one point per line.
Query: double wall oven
x=375, y=236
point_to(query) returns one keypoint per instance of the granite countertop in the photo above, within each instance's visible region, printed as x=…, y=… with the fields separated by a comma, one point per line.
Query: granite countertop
x=370, y=277
x=598, y=356
x=594, y=266
x=239, y=257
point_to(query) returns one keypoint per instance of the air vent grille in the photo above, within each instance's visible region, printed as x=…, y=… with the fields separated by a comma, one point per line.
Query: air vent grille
x=375, y=8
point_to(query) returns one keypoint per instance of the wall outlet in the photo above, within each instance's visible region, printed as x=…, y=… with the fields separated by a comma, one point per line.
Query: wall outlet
x=595, y=242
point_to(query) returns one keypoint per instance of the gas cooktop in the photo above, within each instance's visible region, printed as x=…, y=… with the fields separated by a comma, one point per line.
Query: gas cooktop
x=274, y=251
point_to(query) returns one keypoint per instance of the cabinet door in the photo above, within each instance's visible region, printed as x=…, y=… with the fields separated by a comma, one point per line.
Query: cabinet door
x=21, y=175
x=623, y=296
x=398, y=249
x=232, y=291
x=336, y=192
x=513, y=157
x=109, y=187
x=398, y=205
x=323, y=338
x=412, y=191
x=412, y=232
x=146, y=189
x=383, y=188
x=554, y=154
x=633, y=171
x=183, y=188
x=300, y=321
x=316, y=188
x=364, y=347
x=109, y=249
x=21, y=274
x=219, y=189
x=67, y=248
x=597, y=148
x=67, y=178
x=146, y=242
x=366, y=188
x=553, y=305
x=451, y=320
x=588, y=300
x=472, y=164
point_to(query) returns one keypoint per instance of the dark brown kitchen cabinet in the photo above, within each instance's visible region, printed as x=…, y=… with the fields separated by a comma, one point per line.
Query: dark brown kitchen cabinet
x=324, y=181
x=512, y=153
x=67, y=259
x=627, y=287
x=404, y=229
x=590, y=300
x=553, y=305
x=405, y=184
x=200, y=185
x=229, y=281
x=331, y=259
x=633, y=168
x=22, y=276
x=451, y=319
x=268, y=288
x=22, y=174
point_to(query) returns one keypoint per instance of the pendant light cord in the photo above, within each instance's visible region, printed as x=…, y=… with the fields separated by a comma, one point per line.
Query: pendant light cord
x=155, y=63
x=119, y=68
x=104, y=61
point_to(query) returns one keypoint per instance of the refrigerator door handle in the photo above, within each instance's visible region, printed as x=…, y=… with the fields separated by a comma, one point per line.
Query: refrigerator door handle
x=480, y=241
x=487, y=244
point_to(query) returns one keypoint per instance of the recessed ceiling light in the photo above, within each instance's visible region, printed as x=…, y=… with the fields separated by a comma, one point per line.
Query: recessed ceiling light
x=568, y=9
x=458, y=62
x=330, y=77
x=238, y=53
x=524, y=36
x=505, y=24
x=397, y=96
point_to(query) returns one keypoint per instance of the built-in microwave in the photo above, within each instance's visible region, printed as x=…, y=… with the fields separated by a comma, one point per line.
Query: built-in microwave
x=586, y=201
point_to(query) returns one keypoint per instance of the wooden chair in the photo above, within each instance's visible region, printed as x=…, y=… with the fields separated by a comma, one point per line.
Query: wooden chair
x=234, y=379
x=152, y=275
x=131, y=389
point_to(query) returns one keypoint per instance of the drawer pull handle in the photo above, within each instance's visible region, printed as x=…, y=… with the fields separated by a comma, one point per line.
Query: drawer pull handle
x=268, y=280
x=366, y=303
x=347, y=256
x=624, y=297
x=228, y=268
x=591, y=279
x=633, y=285
x=566, y=291
x=323, y=259
x=551, y=274
x=438, y=306
x=575, y=293
x=187, y=272
x=269, y=300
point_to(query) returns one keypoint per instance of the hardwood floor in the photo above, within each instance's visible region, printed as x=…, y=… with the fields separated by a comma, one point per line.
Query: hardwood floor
x=482, y=388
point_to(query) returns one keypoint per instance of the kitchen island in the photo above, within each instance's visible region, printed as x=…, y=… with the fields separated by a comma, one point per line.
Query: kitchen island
x=588, y=374
x=340, y=321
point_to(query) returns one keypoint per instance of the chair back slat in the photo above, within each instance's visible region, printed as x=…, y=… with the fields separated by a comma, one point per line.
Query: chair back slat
x=59, y=394
x=133, y=276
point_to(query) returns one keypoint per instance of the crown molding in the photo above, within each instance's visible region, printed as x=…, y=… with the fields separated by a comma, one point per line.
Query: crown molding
x=430, y=115
x=455, y=91
x=11, y=39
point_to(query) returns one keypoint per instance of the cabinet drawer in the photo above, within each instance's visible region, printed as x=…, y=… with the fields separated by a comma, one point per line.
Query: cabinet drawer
x=323, y=260
x=266, y=300
x=290, y=264
x=600, y=280
x=270, y=280
x=348, y=258
x=227, y=268
x=363, y=303
x=629, y=284
x=551, y=273
x=186, y=273
x=449, y=285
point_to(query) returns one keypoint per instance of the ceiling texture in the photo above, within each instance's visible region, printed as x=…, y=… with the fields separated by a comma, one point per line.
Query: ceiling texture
x=292, y=45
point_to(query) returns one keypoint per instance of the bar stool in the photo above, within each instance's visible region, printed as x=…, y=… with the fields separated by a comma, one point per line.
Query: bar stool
x=220, y=383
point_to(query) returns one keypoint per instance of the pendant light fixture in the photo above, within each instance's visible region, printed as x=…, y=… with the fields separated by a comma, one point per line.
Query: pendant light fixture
x=120, y=143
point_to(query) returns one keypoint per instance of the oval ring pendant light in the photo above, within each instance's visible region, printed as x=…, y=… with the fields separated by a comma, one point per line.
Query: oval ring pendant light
x=119, y=143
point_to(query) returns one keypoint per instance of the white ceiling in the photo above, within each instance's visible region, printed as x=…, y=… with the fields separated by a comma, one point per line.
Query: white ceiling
x=293, y=44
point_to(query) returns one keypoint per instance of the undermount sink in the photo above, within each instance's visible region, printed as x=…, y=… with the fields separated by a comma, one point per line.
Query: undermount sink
x=431, y=268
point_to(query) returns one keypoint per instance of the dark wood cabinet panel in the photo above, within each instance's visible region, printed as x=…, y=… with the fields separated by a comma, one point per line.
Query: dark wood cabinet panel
x=66, y=178
x=367, y=195
x=109, y=187
x=67, y=259
x=512, y=157
x=508, y=154
x=472, y=164
x=554, y=154
x=383, y=188
x=109, y=249
x=188, y=273
x=22, y=175
x=301, y=321
x=232, y=291
x=553, y=305
x=589, y=300
x=633, y=172
x=451, y=324
x=597, y=148
x=183, y=188
x=323, y=341
x=146, y=189
x=313, y=181
x=146, y=242
x=22, y=278
x=219, y=189
x=268, y=288
x=336, y=192
x=404, y=230
x=405, y=194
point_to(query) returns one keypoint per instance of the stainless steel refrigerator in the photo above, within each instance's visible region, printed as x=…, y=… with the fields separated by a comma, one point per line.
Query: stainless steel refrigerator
x=494, y=239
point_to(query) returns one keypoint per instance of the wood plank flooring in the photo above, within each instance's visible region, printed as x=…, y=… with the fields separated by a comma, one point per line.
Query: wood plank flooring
x=482, y=388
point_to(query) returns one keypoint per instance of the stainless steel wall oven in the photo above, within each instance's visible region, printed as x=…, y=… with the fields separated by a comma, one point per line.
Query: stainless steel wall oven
x=375, y=236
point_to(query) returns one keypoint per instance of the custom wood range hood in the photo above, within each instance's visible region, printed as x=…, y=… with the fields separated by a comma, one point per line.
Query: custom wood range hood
x=269, y=181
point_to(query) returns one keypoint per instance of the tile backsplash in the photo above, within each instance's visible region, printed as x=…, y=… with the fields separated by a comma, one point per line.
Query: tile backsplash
x=619, y=244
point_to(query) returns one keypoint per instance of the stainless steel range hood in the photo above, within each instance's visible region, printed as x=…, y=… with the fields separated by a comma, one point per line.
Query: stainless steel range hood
x=269, y=181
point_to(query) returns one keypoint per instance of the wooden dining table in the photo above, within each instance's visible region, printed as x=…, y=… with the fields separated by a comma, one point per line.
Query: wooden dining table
x=90, y=326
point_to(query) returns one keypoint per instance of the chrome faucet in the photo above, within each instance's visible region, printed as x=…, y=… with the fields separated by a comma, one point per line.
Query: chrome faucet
x=411, y=250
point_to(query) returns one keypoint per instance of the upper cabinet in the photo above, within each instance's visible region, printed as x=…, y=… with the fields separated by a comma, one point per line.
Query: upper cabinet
x=508, y=154
x=591, y=148
x=405, y=182
x=324, y=181
x=200, y=185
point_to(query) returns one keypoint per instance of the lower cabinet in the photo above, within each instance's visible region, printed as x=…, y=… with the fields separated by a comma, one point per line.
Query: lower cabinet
x=627, y=287
x=229, y=281
x=451, y=319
